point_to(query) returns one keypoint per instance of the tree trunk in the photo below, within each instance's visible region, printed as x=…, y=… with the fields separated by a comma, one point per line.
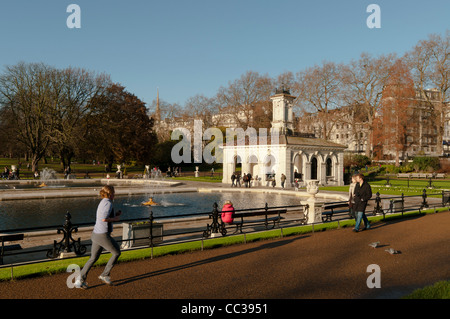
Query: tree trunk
x=34, y=162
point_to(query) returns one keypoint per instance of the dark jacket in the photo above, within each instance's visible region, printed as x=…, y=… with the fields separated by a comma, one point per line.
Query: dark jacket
x=362, y=194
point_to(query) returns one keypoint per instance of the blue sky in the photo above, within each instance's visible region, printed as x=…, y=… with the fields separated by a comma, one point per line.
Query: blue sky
x=193, y=47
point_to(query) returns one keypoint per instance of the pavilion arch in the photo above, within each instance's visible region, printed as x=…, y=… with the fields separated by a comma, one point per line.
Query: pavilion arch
x=332, y=165
x=314, y=167
x=298, y=160
x=329, y=167
x=253, y=165
x=237, y=163
x=269, y=165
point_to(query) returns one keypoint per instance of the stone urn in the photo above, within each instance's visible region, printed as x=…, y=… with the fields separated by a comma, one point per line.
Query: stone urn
x=312, y=187
x=196, y=171
x=315, y=208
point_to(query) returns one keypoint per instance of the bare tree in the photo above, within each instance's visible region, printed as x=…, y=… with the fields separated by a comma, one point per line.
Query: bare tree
x=201, y=108
x=319, y=90
x=26, y=91
x=363, y=82
x=166, y=110
x=72, y=90
x=243, y=95
x=429, y=61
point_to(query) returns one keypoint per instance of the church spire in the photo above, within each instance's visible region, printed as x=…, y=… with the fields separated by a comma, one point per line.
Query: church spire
x=158, y=110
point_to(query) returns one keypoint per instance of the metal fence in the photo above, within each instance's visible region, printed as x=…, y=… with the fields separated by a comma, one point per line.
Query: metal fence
x=210, y=224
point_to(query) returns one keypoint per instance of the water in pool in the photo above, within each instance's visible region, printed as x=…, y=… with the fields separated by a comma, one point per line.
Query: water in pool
x=51, y=212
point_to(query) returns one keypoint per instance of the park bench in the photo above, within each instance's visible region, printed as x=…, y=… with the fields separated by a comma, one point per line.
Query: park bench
x=247, y=218
x=271, y=216
x=330, y=209
x=421, y=175
x=9, y=238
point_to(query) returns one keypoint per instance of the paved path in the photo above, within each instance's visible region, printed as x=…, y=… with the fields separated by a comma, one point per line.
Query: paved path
x=330, y=264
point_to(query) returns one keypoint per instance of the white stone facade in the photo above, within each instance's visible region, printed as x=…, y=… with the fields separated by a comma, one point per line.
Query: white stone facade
x=324, y=163
x=310, y=158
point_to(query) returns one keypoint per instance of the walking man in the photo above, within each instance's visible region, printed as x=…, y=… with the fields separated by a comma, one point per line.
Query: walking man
x=363, y=192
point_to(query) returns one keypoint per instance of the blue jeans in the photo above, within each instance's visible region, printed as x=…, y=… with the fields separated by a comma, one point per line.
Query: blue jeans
x=359, y=216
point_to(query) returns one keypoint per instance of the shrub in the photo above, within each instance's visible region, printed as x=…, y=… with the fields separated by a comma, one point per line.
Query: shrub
x=426, y=164
x=356, y=160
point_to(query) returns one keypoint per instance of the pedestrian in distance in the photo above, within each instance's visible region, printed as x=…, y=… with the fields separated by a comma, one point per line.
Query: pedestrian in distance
x=351, y=198
x=233, y=179
x=249, y=179
x=283, y=180
x=101, y=238
x=245, y=179
x=363, y=192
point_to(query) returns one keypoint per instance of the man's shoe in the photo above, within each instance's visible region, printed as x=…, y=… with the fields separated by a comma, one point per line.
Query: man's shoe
x=356, y=230
x=105, y=279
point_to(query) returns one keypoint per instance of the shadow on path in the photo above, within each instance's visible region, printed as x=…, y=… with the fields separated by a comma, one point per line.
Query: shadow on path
x=269, y=245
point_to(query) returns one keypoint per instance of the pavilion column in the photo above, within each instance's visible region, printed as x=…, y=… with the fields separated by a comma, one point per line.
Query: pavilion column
x=322, y=173
x=307, y=171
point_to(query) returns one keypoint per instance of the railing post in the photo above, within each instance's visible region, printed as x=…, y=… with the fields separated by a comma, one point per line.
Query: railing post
x=67, y=232
x=266, y=208
x=215, y=216
x=403, y=203
x=65, y=244
x=151, y=228
x=378, y=209
x=424, y=199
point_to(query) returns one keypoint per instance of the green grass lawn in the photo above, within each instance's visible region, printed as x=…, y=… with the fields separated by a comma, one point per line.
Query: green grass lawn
x=398, y=187
x=98, y=170
x=439, y=290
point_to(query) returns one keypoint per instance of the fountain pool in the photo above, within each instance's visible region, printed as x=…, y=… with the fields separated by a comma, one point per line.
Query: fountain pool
x=49, y=212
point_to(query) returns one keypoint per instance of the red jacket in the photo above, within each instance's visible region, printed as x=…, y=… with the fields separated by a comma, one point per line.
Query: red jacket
x=227, y=213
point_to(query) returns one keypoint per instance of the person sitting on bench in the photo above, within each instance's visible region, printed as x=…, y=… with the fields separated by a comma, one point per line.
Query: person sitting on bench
x=227, y=212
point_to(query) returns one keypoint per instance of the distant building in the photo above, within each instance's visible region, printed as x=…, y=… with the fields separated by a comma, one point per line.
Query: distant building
x=352, y=129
